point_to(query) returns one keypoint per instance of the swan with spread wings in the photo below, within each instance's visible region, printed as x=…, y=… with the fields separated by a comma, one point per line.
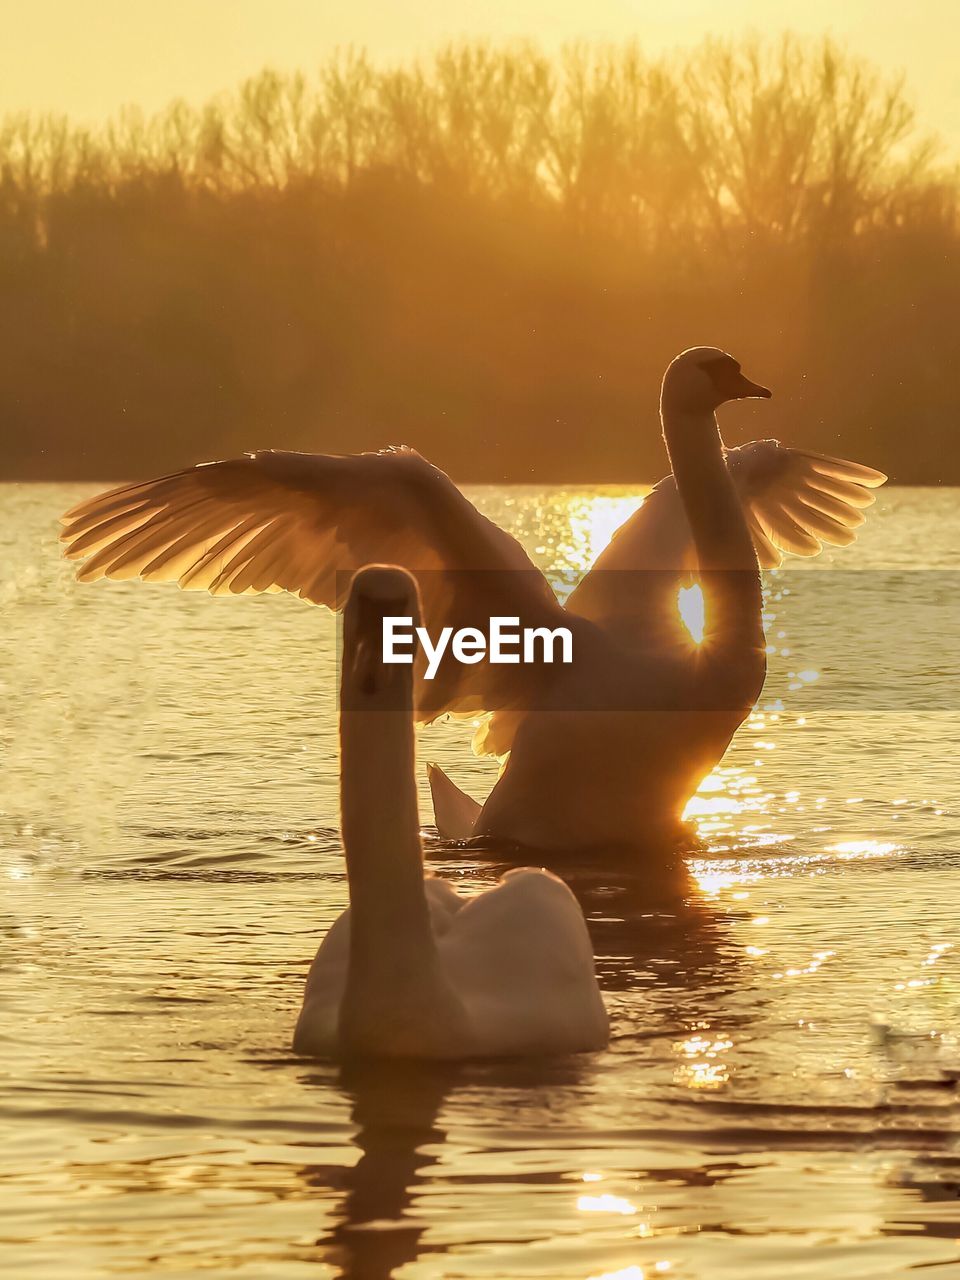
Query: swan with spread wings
x=602, y=753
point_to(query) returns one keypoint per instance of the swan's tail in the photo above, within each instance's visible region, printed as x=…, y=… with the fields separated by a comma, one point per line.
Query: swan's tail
x=454, y=812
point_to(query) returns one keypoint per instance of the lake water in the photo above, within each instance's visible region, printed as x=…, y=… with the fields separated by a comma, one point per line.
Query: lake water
x=780, y=1096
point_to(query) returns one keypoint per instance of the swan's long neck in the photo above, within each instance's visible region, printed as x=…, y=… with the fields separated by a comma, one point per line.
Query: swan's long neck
x=391, y=943
x=713, y=510
x=395, y=1000
x=727, y=560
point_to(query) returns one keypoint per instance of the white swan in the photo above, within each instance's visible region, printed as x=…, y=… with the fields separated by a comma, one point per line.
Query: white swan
x=412, y=969
x=577, y=776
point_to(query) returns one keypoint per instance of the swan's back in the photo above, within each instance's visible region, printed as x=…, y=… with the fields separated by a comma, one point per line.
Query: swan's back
x=519, y=957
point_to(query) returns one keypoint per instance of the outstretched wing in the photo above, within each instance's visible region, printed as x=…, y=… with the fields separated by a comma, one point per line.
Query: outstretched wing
x=798, y=502
x=794, y=501
x=274, y=521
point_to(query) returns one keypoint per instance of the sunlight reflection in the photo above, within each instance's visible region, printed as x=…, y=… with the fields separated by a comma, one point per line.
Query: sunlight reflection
x=711, y=882
x=725, y=796
x=937, y=952
x=862, y=848
x=627, y=1273
x=690, y=604
x=703, y=1068
x=606, y=1204
x=594, y=521
x=634, y=1272
x=807, y=970
x=700, y=807
x=702, y=1075
x=713, y=782
x=713, y=877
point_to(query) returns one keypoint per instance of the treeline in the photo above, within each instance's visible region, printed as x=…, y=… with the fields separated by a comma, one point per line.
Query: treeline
x=490, y=256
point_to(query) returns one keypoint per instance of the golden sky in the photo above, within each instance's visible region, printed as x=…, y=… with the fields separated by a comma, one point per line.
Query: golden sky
x=87, y=57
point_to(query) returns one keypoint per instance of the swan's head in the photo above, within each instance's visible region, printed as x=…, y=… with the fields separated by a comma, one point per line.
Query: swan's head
x=701, y=379
x=376, y=592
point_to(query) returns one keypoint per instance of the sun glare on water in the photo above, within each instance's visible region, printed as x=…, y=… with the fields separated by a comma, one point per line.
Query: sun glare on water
x=593, y=522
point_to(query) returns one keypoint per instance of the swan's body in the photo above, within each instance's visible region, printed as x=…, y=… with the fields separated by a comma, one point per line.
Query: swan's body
x=604, y=752
x=412, y=969
x=645, y=715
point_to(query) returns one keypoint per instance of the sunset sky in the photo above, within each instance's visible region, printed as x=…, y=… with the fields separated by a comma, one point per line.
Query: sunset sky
x=89, y=58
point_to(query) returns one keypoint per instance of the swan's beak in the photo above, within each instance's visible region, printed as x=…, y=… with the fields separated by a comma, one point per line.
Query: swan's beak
x=747, y=390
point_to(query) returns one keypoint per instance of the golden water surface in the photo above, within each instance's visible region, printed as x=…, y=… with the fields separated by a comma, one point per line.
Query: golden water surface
x=780, y=1095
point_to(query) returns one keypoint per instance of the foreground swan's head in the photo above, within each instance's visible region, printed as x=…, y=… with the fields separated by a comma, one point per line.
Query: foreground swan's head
x=701, y=379
x=376, y=592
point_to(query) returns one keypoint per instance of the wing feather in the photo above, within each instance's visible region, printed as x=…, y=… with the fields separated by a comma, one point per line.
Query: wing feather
x=782, y=486
x=93, y=536
x=842, y=469
x=174, y=561
x=261, y=558
x=794, y=501
x=125, y=559
x=844, y=491
x=767, y=553
x=114, y=501
x=784, y=531
x=303, y=523
x=839, y=511
x=244, y=552
x=818, y=524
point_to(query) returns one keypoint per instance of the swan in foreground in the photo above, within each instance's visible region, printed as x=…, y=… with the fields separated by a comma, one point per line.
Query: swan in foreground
x=412, y=969
x=604, y=752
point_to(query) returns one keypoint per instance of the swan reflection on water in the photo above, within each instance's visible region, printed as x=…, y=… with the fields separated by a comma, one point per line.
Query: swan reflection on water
x=395, y=1106
x=381, y=1218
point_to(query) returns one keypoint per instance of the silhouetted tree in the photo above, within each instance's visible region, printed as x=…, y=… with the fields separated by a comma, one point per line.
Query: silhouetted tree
x=490, y=254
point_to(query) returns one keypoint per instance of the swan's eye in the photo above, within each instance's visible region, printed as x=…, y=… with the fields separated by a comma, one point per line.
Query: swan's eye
x=724, y=373
x=720, y=364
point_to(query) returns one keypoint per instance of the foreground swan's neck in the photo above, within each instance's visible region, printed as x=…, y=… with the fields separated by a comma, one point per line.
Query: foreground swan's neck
x=391, y=943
